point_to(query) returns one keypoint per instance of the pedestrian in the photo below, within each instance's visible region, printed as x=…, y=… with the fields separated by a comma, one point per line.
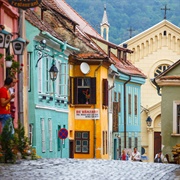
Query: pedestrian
x=159, y=157
x=136, y=156
x=11, y=91
x=124, y=156
x=5, y=98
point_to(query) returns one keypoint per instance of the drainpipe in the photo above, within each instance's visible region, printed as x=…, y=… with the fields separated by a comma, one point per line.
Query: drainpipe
x=157, y=87
x=125, y=110
x=95, y=72
x=20, y=75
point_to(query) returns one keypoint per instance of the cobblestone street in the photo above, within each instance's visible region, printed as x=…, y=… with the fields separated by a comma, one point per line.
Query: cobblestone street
x=90, y=169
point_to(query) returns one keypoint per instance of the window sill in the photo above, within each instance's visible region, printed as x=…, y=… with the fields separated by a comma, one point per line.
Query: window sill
x=81, y=105
x=176, y=135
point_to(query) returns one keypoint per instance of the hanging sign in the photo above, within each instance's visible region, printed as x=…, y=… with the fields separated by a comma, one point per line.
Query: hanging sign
x=24, y=4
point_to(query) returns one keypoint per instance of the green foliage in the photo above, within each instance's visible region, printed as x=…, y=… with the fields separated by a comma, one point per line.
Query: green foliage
x=9, y=57
x=15, y=146
x=20, y=140
x=139, y=15
x=7, y=142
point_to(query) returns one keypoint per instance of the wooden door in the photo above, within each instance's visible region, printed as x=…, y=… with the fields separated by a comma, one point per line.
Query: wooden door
x=71, y=149
x=157, y=142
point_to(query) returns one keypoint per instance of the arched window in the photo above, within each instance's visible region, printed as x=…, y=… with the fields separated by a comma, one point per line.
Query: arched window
x=161, y=68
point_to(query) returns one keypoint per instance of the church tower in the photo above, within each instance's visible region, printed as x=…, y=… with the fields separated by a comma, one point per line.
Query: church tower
x=105, y=26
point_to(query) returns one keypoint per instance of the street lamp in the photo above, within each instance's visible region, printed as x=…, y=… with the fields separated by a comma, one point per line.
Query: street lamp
x=18, y=45
x=148, y=121
x=5, y=37
x=53, y=72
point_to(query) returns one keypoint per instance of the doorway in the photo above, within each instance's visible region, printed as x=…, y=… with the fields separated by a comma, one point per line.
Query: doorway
x=157, y=142
x=71, y=149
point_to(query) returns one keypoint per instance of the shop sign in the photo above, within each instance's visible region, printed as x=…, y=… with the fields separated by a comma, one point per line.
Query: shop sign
x=86, y=113
x=24, y=4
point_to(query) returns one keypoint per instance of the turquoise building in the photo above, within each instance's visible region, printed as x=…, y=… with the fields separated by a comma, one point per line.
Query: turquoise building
x=126, y=99
x=48, y=100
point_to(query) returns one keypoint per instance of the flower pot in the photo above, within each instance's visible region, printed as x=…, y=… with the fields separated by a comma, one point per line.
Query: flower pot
x=8, y=64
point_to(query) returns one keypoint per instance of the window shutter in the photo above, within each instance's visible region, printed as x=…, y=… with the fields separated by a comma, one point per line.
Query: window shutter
x=93, y=91
x=75, y=90
x=105, y=92
x=70, y=90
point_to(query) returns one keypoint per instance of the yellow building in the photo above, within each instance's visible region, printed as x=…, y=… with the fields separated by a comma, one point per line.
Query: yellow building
x=88, y=113
x=154, y=51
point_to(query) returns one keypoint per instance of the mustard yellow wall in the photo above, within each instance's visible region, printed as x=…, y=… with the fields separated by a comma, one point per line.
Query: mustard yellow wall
x=100, y=72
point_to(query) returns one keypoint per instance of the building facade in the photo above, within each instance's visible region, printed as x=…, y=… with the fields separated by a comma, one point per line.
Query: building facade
x=168, y=86
x=154, y=51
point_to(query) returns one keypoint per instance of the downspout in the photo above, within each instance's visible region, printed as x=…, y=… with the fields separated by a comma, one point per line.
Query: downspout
x=95, y=119
x=125, y=110
x=157, y=87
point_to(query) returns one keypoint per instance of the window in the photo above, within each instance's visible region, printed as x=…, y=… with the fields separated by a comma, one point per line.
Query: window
x=119, y=100
x=39, y=73
x=82, y=142
x=176, y=117
x=135, y=104
x=48, y=81
x=59, y=140
x=136, y=142
x=115, y=96
x=62, y=89
x=130, y=142
x=28, y=71
x=83, y=90
x=43, y=136
x=50, y=134
x=129, y=104
x=105, y=92
x=31, y=134
x=160, y=69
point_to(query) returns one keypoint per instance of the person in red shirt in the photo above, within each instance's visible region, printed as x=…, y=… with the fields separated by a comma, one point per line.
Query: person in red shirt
x=5, y=98
x=124, y=156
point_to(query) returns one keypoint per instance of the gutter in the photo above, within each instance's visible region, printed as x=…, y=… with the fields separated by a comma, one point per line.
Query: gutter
x=125, y=110
x=95, y=119
x=64, y=44
x=157, y=86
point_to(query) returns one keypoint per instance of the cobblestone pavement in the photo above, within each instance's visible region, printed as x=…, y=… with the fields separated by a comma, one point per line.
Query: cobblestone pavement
x=90, y=169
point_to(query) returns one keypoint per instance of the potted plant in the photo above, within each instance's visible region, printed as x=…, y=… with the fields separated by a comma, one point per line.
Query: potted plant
x=9, y=60
x=16, y=67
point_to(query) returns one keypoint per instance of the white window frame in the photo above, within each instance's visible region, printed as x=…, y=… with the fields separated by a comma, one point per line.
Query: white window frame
x=50, y=134
x=31, y=133
x=48, y=81
x=40, y=73
x=63, y=75
x=175, y=103
x=43, y=138
x=28, y=70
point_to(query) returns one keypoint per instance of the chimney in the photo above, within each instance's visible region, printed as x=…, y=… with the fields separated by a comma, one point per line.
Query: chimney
x=125, y=45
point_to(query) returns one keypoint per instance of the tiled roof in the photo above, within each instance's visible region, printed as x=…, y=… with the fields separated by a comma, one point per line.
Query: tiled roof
x=126, y=67
x=83, y=33
x=32, y=17
x=83, y=24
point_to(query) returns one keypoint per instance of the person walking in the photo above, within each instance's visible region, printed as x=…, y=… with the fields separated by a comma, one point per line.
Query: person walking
x=5, y=98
